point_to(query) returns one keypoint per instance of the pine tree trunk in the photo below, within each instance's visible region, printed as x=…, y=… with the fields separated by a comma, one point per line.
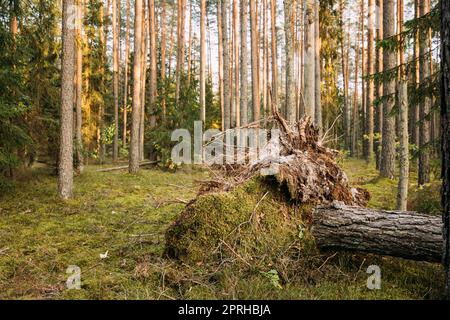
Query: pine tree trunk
x=115, y=26
x=79, y=90
x=244, y=63
x=310, y=65
x=153, y=81
x=221, y=69
x=370, y=85
x=291, y=114
x=202, y=61
x=137, y=70
x=226, y=65
x=273, y=18
x=144, y=53
x=317, y=86
x=354, y=126
x=402, y=197
x=125, y=86
x=389, y=62
x=424, y=106
x=345, y=77
x=180, y=47
x=408, y=235
x=65, y=167
x=379, y=90
x=163, y=23
x=255, y=60
x=445, y=130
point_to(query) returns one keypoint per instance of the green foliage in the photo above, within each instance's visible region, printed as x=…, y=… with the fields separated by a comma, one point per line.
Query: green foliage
x=180, y=115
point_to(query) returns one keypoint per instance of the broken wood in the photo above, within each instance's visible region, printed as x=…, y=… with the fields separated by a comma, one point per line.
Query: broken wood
x=407, y=235
x=145, y=163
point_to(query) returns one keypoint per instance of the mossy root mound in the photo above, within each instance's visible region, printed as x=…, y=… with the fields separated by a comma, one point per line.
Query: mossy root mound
x=252, y=224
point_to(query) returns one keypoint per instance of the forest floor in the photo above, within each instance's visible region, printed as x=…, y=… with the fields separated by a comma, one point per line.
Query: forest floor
x=124, y=218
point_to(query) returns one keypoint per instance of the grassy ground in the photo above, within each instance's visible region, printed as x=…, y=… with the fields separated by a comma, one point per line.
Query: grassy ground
x=126, y=216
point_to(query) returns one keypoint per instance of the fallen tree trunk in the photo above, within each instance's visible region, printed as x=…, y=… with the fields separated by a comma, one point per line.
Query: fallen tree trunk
x=408, y=235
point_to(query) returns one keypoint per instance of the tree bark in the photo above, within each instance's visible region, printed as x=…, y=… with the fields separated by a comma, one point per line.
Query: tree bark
x=317, y=70
x=389, y=62
x=115, y=26
x=180, y=46
x=424, y=106
x=273, y=18
x=153, y=81
x=79, y=90
x=309, y=83
x=402, y=196
x=445, y=131
x=368, y=152
x=137, y=70
x=408, y=235
x=65, y=172
x=125, y=86
x=255, y=60
x=202, y=61
x=226, y=66
x=289, y=33
x=244, y=63
x=379, y=91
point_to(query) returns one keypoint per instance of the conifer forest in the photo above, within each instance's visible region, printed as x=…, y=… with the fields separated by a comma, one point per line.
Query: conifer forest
x=224, y=150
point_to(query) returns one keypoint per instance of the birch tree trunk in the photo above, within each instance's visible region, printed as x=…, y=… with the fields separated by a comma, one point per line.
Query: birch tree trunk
x=137, y=70
x=65, y=166
x=389, y=62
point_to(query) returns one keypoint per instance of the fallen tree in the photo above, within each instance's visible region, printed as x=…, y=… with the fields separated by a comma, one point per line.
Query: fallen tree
x=247, y=216
x=408, y=235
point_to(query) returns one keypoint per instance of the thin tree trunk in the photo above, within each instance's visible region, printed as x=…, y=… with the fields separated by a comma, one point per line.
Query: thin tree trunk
x=274, y=54
x=415, y=130
x=163, y=57
x=220, y=49
x=389, y=62
x=255, y=60
x=125, y=87
x=244, y=62
x=403, y=182
x=115, y=27
x=153, y=81
x=189, y=45
x=79, y=90
x=180, y=47
x=317, y=86
x=309, y=80
x=202, y=61
x=137, y=70
x=424, y=136
x=144, y=53
x=226, y=66
x=289, y=17
x=368, y=153
x=354, y=126
x=345, y=78
x=379, y=90
x=65, y=167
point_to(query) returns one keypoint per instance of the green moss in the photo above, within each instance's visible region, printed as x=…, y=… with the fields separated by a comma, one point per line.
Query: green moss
x=251, y=222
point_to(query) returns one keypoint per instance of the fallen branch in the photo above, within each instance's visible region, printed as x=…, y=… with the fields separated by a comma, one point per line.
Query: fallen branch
x=145, y=163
